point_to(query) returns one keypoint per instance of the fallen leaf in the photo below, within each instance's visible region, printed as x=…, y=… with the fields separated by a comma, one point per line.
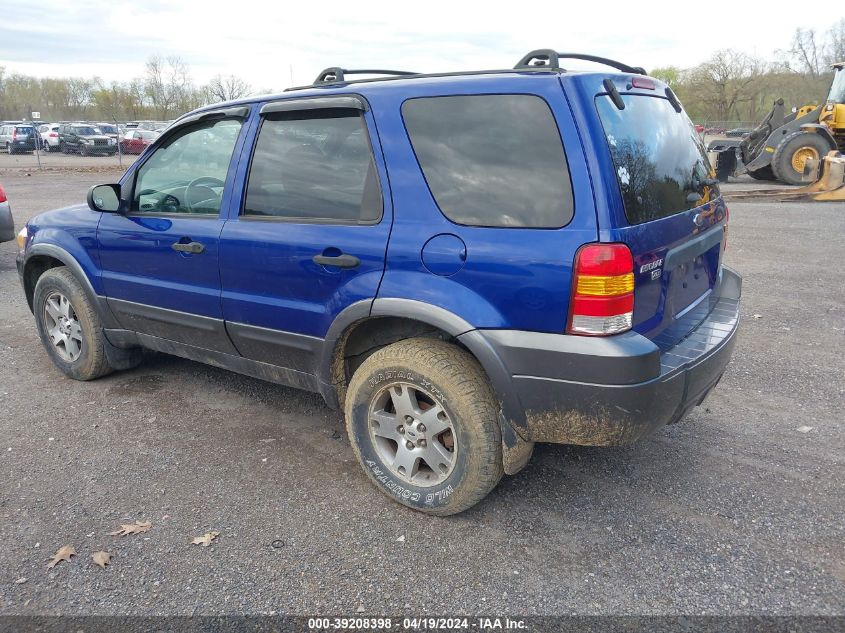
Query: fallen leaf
x=64, y=553
x=804, y=429
x=20, y=581
x=205, y=539
x=360, y=609
x=128, y=529
x=756, y=316
x=101, y=558
x=401, y=539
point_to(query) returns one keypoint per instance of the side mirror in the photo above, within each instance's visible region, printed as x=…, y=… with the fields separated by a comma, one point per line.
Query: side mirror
x=104, y=198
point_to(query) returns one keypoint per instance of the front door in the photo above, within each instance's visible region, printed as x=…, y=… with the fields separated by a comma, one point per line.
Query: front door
x=160, y=261
x=311, y=234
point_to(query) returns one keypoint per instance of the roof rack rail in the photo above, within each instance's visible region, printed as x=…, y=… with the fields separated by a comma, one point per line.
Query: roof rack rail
x=336, y=74
x=546, y=57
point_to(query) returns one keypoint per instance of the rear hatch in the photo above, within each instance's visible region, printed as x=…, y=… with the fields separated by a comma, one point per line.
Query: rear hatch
x=24, y=134
x=672, y=216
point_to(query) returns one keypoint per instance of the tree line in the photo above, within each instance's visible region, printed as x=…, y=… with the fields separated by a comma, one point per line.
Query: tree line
x=165, y=91
x=734, y=86
x=730, y=86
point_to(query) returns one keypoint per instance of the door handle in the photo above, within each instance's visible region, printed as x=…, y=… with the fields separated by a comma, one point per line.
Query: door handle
x=339, y=261
x=188, y=247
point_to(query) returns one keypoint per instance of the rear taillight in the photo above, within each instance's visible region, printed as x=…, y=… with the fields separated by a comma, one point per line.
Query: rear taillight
x=603, y=290
x=725, y=238
x=2, y=194
x=14, y=134
x=53, y=135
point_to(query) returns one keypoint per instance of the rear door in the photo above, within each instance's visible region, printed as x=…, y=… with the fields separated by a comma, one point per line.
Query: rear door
x=674, y=216
x=310, y=234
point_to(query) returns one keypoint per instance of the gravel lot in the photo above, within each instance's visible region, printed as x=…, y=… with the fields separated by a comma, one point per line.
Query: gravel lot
x=738, y=510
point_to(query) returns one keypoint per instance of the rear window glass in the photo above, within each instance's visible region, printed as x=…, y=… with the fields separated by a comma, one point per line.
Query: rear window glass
x=658, y=156
x=492, y=160
x=23, y=129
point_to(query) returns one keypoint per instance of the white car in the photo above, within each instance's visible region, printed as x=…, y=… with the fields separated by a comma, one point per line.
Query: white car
x=49, y=134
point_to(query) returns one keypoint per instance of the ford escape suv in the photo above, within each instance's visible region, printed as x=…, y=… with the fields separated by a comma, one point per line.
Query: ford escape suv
x=464, y=263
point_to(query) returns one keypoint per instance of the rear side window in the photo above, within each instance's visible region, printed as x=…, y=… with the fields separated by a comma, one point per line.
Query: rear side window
x=314, y=166
x=492, y=160
x=657, y=154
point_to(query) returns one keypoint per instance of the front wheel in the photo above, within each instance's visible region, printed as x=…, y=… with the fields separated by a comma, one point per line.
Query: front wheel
x=423, y=422
x=69, y=326
x=792, y=154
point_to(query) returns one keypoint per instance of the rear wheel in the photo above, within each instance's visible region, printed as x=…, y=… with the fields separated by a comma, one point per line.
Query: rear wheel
x=9, y=149
x=764, y=173
x=69, y=326
x=423, y=422
x=791, y=155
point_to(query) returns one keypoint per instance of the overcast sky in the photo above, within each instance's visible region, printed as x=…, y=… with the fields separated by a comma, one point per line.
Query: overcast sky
x=263, y=41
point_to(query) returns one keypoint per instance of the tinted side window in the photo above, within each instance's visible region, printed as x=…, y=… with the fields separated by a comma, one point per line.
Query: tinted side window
x=658, y=156
x=314, y=166
x=492, y=160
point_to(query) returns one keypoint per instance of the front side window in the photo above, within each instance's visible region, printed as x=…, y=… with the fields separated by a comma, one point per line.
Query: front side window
x=314, y=166
x=187, y=173
x=492, y=160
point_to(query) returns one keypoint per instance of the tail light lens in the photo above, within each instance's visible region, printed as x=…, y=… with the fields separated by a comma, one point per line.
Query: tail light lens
x=725, y=238
x=14, y=134
x=603, y=290
x=3, y=197
x=54, y=135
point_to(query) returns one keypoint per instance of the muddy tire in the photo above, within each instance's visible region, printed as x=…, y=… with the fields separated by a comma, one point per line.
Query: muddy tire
x=69, y=327
x=423, y=422
x=788, y=160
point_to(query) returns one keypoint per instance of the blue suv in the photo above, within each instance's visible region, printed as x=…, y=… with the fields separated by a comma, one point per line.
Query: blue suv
x=465, y=263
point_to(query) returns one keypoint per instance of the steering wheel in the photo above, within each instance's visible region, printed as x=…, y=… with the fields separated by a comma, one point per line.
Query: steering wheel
x=200, y=184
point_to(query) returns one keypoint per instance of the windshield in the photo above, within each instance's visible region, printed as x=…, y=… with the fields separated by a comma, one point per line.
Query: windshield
x=837, y=89
x=85, y=131
x=108, y=129
x=658, y=155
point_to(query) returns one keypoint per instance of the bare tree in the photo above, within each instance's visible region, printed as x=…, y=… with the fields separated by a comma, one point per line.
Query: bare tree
x=836, y=43
x=168, y=86
x=806, y=53
x=724, y=82
x=228, y=88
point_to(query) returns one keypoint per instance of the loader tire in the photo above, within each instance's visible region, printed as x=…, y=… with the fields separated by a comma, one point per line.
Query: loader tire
x=790, y=156
x=764, y=173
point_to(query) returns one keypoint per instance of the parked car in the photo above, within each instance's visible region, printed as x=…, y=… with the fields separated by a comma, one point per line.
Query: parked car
x=7, y=223
x=739, y=131
x=17, y=137
x=109, y=129
x=49, y=135
x=85, y=139
x=136, y=141
x=500, y=289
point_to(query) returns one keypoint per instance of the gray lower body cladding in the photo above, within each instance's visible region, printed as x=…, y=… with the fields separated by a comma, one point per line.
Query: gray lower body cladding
x=624, y=389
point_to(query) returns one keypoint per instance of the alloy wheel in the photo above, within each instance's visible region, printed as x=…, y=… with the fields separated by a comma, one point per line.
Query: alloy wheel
x=413, y=434
x=63, y=327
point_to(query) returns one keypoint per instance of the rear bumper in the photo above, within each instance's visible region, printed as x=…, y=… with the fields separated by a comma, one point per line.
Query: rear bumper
x=615, y=390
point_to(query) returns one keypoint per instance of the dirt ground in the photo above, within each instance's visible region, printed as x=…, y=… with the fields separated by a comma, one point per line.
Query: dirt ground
x=737, y=510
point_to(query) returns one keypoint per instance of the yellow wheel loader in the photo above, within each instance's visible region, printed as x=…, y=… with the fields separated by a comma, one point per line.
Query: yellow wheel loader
x=779, y=148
